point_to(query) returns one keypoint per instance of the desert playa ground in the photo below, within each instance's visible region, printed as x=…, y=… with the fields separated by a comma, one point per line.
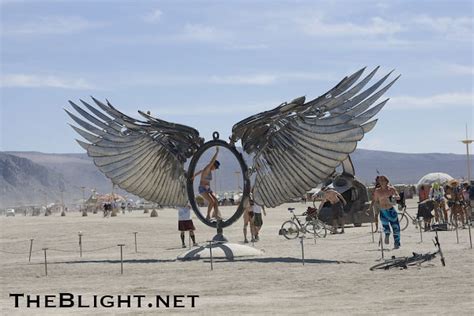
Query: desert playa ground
x=334, y=280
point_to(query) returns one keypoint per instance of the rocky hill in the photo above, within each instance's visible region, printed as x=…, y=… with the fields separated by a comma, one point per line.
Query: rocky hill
x=23, y=181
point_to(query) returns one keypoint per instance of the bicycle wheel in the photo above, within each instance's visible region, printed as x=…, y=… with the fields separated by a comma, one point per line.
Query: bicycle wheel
x=391, y=263
x=316, y=227
x=290, y=230
x=403, y=220
x=418, y=259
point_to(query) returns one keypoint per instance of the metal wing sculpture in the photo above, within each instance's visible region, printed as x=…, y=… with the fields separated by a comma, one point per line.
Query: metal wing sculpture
x=145, y=158
x=295, y=146
x=299, y=144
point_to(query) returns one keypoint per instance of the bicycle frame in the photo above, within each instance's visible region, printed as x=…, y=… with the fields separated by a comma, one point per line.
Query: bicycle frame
x=313, y=226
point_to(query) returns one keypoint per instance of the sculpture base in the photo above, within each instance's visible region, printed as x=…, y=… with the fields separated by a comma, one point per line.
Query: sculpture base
x=219, y=237
x=220, y=250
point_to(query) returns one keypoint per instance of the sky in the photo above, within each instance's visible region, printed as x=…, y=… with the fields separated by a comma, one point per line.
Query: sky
x=210, y=64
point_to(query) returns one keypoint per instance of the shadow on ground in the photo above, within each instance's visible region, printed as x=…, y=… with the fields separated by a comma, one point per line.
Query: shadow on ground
x=284, y=260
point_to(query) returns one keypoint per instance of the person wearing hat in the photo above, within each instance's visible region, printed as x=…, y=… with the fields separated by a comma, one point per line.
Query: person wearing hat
x=336, y=200
x=205, y=187
x=185, y=224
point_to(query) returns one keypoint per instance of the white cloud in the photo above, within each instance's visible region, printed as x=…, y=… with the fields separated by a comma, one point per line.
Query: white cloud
x=257, y=79
x=201, y=33
x=268, y=79
x=50, y=25
x=153, y=17
x=460, y=69
x=206, y=110
x=316, y=26
x=245, y=80
x=453, y=27
x=455, y=99
x=39, y=81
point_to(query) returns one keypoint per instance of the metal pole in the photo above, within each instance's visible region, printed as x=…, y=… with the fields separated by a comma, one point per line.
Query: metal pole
x=80, y=244
x=381, y=244
x=121, y=257
x=468, y=163
x=302, y=249
x=45, y=262
x=210, y=251
x=457, y=235
x=468, y=141
x=421, y=234
x=135, y=241
x=469, y=227
x=31, y=248
x=314, y=232
x=372, y=231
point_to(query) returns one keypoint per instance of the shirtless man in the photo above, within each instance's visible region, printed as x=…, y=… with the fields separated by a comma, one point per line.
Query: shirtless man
x=386, y=196
x=336, y=200
x=205, y=186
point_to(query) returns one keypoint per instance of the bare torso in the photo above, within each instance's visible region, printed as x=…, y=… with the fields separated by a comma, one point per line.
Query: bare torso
x=206, y=177
x=331, y=196
x=382, y=197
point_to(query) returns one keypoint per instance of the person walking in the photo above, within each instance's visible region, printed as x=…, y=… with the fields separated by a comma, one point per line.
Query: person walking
x=185, y=224
x=386, y=196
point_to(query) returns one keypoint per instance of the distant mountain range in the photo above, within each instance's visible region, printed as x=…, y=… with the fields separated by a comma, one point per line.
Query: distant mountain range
x=28, y=178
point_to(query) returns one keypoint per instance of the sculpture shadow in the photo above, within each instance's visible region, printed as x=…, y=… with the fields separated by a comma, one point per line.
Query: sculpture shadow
x=284, y=260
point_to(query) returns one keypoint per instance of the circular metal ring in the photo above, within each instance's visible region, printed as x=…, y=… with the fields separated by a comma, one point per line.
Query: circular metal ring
x=215, y=135
x=190, y=188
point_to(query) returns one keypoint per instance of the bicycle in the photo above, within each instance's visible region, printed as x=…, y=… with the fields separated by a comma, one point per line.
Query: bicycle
x=404, y=218
x=416, y=259
x=292, y=228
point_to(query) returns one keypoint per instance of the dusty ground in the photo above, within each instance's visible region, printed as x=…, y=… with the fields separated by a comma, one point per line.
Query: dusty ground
x=335, y=279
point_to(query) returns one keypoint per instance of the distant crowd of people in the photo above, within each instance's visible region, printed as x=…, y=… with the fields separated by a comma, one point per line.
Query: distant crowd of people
x=449, y=203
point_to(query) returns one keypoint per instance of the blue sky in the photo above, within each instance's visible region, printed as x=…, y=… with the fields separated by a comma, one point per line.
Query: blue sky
x=209, y=64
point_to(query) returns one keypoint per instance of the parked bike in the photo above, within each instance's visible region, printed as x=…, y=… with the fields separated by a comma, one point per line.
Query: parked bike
x=292, y=228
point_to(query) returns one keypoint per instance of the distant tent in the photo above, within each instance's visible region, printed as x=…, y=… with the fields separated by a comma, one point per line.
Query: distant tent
x=111, y=198
x=430, y=178
x=95, y=199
